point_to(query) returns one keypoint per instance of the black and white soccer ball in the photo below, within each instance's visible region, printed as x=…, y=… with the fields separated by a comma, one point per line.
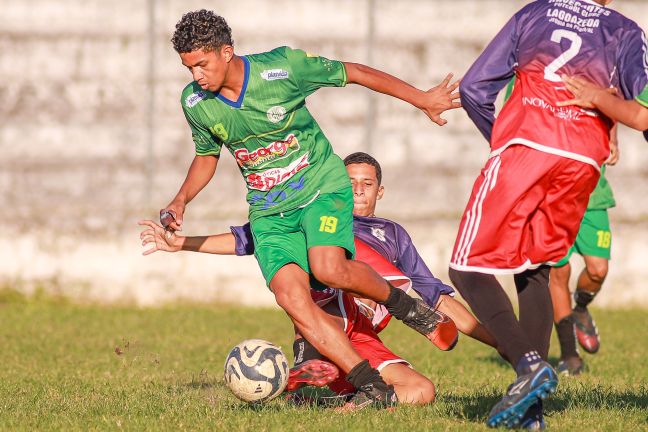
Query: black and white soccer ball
x=256, y=370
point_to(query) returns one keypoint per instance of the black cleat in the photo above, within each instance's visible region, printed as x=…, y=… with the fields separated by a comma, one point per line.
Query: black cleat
x=370, y=396
x=571, y=366
x=525, y=391
x=586, y=331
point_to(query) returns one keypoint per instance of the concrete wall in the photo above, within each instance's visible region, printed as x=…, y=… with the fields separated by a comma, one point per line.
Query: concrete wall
x=78, y=168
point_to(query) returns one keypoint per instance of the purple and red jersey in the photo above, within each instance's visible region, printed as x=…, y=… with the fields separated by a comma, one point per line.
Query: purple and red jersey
x=387, y=238
x=544, y=40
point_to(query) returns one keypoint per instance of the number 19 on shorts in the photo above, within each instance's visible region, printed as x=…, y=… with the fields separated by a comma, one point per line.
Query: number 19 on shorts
x=328, y=224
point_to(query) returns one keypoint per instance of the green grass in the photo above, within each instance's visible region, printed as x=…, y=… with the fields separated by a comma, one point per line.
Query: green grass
x=59, y=370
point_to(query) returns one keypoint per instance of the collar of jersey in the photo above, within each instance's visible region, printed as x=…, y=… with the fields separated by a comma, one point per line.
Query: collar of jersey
x=239, y=101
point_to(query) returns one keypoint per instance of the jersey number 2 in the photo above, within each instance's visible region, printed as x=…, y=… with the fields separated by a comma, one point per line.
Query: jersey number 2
x=557, y=35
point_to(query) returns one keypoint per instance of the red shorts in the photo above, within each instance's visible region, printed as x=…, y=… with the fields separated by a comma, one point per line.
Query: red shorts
x=364, y=340
x=525, y=210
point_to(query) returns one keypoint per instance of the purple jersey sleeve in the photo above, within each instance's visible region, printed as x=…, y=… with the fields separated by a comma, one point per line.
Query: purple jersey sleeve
x=244, y=240
x=490, y=73
x=412, y=265
x=633, y=62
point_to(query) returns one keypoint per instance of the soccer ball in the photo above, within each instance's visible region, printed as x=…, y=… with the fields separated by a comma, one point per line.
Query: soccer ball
x=256, y=370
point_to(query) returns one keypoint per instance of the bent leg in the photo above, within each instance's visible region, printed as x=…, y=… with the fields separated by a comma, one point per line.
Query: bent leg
x=411, y=387
x=593, y=275
x=291, y=288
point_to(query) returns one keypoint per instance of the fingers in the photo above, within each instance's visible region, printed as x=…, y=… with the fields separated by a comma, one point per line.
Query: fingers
x=568, y=102
x=454, y=86
x=446, y=80
x=456, y=105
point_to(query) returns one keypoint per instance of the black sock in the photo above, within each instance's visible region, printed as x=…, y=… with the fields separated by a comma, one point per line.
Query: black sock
x=304, y=351
x=363, y=374
x=492, y=307
x=526, y=362
x=565, y=332
x=536, y=310
x=583, y=298
x=399, y=304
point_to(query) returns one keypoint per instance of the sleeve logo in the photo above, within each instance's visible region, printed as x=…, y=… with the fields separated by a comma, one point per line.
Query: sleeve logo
x=274, y=74
x=193, y=99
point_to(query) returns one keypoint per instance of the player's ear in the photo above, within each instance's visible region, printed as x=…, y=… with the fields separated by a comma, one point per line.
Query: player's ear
x=381, y=191
x=227, y=51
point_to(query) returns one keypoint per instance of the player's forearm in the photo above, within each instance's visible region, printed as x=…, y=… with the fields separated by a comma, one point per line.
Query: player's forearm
x=200, y=172
x=628, y=112
x=219, y=244
x=382, y=82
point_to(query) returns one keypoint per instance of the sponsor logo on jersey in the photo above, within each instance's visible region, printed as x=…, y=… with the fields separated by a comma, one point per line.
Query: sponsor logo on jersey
x=276, y=114
x=266, y=180
x=379, y=233
x=274, y=74
x=219, y=131
x=564, y=113
x=273, y=151
x=193, y=99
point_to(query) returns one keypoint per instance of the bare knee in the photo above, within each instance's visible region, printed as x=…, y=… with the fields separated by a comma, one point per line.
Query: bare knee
x=597, y=271
x=427, y=392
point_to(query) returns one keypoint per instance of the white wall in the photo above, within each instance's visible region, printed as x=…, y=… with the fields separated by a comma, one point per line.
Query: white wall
x=74, y=80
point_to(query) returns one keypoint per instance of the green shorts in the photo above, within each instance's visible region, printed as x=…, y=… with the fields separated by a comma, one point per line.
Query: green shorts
x=594, y=237
x=285, y=238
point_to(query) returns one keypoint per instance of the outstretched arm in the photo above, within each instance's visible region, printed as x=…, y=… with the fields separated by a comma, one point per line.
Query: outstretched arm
x=588, y=95
x=200, y=172
x=169, y=241
x=432, y=102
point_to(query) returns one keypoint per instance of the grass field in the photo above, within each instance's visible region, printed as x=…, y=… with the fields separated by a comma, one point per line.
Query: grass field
x=67, y=366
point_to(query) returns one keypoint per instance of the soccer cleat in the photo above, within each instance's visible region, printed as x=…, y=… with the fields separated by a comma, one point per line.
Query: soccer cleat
x=570, y=366
x=370, y=396
x=312, y=372
x=586, y=331
x=525, y=391
x=433, y=324
x=533, y=419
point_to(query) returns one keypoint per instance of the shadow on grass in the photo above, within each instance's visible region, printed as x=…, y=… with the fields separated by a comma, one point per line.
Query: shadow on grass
x=475, y=407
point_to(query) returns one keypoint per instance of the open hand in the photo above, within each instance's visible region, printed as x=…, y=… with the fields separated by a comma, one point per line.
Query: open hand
x=585, y=93
x=441, y=98
x=162, y=239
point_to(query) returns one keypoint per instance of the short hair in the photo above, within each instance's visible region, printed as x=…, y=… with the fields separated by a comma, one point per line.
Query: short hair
x=364, y=158
x=201, y=29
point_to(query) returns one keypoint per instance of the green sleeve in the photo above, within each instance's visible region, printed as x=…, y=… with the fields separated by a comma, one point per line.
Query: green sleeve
x=643, y=97
x=509, y=89
x=312, y=72
x=205, y=142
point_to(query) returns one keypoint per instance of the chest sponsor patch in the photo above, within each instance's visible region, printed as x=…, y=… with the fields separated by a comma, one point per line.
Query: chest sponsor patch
x=275, y=150
x=266, y=180
x=276, y=114
x=193, y=99
x=274, y=74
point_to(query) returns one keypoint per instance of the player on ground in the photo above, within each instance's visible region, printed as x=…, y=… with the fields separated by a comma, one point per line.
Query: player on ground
x=587, y=95
x=527, y=204
x=299, y=194
x=593, y=243
x=312, y=368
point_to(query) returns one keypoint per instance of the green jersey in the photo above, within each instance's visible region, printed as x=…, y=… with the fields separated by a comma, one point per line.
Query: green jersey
x=643, y=97
x=281, y=151
x=601, y=197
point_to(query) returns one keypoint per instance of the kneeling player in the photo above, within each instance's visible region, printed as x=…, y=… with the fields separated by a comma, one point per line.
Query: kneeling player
x=409, y=386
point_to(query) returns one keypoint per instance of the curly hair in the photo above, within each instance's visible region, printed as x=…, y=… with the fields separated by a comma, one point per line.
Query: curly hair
x=364, y=158
x=201, y=29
